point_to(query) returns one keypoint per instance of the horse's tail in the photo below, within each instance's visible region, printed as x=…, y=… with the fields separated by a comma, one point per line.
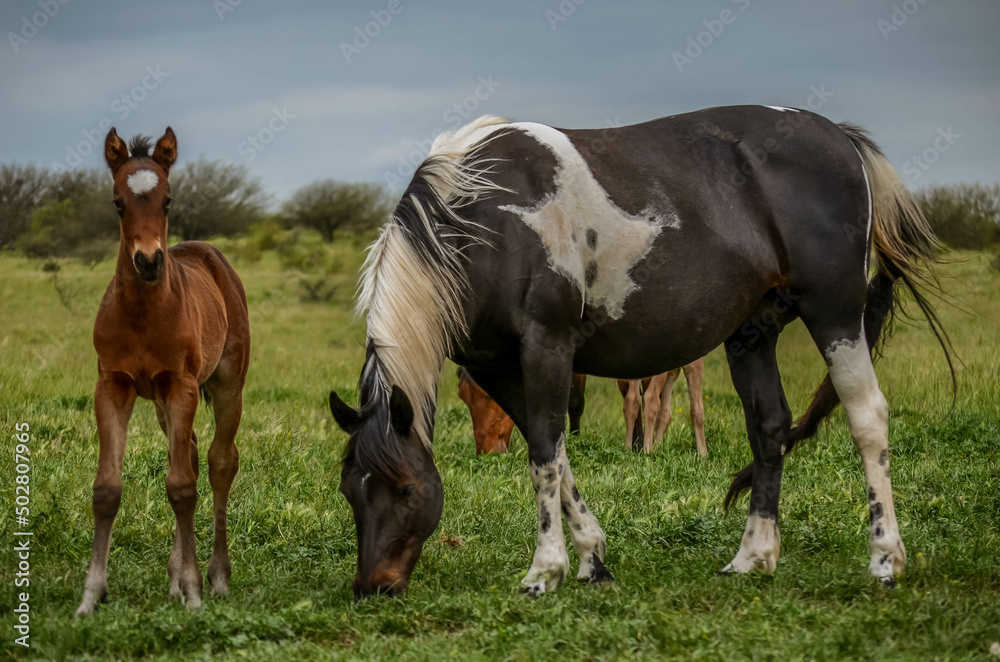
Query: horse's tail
x=906, y=249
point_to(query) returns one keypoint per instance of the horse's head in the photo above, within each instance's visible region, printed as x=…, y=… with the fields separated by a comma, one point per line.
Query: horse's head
x=142, y=198
x=394, y=489
x=491, y=426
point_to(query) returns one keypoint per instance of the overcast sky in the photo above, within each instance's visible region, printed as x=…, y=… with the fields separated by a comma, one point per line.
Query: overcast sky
x=320, y=98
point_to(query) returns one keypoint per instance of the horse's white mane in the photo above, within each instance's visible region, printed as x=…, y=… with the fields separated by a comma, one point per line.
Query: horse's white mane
x=413, y=282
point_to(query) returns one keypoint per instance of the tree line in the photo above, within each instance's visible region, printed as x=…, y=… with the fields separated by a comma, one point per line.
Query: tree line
x=69, y=213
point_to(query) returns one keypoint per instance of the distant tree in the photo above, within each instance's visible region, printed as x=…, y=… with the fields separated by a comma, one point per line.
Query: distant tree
x=329, y=206
x=214, y=198
x=21, y=192
x=965, y=216
x=55, y=230
x=90, y=191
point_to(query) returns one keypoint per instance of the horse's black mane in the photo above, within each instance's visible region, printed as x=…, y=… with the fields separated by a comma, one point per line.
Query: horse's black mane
x=139, y=147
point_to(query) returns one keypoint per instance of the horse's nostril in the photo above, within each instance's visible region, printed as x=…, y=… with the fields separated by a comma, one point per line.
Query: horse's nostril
x=149, y=269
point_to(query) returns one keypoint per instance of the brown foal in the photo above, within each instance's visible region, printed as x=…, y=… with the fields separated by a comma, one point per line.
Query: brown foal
x=171, y=321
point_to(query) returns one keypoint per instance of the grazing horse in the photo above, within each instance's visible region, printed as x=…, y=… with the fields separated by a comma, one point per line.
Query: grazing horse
x=492, y=427
x=526, y=253
x=651, y=398
x=171, y=322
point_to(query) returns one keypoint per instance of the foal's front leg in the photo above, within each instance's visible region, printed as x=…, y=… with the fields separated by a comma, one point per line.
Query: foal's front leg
x=178, y=395
x=113, y=401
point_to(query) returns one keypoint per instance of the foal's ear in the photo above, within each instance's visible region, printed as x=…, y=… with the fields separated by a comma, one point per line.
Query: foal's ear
x=400, y=411
x=347, y=417
x=115, y=151
x=165, y=152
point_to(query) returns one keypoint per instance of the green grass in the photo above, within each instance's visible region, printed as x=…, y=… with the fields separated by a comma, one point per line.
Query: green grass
x=292, y=536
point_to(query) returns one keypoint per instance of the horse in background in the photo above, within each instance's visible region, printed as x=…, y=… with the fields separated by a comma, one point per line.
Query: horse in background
x=525, y=253
x=492, y=427
x=649, y=401
x=172, y=321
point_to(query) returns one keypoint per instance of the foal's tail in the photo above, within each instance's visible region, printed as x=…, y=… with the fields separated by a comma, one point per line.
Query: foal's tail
x=906, y=249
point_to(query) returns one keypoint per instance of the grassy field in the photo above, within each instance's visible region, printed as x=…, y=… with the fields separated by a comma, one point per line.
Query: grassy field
x=292, y=536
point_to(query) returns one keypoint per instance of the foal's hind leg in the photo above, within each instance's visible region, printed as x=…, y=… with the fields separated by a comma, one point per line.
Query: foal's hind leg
x=223, y=463
x=754, y=369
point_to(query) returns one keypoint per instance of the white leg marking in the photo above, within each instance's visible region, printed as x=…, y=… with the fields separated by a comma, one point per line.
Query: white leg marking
x=588, y=538
x=759, y=548
x=854, y=378
x=551, y=562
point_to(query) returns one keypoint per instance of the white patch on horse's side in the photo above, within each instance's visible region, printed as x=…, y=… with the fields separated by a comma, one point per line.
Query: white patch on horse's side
x=783, y=109
x=868, y=188
x=551, y=562
x=142, y=182
x=759, y=548
x=853, y=376
x=582, y=229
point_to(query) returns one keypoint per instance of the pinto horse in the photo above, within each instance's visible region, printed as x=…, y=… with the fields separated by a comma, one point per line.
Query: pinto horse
x=171, y=322
x=526, y=253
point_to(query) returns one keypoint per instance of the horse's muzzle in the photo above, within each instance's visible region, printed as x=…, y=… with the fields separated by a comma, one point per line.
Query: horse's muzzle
x=149, y=269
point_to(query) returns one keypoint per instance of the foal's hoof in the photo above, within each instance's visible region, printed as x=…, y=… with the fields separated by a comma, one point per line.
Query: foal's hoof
x=88, y=605
x=218, y=578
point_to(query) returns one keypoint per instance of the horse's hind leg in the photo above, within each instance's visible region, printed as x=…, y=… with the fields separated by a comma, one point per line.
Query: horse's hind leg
x=577, y=402
x=664, y=413
x=113, y=402
x=853, y=376
x=223, y=464
x=754, y=370
x=694, y=373
x=631, y=390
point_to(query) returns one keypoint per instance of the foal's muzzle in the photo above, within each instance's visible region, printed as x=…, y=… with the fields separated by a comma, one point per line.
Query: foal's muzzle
x=149, y=268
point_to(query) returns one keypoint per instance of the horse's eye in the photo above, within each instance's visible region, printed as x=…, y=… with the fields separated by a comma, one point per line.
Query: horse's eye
x=166, y=203
x=407, y=492
x=119, y=205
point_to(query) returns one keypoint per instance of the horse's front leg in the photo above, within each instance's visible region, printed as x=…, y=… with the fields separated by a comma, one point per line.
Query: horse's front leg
x=177, y=394
x=546, y=361
x=113, y=401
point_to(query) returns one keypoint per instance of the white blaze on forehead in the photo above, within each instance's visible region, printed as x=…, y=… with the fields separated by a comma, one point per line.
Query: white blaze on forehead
x=142, y=181
x=583, y=231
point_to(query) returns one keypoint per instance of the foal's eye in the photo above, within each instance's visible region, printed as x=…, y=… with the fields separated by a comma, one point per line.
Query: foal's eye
x=407, y=492
x=166, y=203
x=119, y=205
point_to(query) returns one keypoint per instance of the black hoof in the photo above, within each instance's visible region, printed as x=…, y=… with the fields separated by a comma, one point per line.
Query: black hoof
x=600, y=574
x=887, y=582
